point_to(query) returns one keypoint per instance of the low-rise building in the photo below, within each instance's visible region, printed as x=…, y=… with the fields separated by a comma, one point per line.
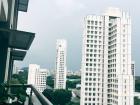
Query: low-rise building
x=37, y=77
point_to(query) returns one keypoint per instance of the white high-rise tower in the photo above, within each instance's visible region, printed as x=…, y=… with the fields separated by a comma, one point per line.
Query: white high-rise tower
x=106, y=59
x=60, y=73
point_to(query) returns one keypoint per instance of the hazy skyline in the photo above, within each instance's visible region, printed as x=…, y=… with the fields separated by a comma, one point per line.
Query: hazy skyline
x=56, y=19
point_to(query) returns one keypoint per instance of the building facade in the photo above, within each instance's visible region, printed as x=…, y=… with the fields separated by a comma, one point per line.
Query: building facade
x=13, y=43
x=37, y=77
x=61, y=70
x=107, y=77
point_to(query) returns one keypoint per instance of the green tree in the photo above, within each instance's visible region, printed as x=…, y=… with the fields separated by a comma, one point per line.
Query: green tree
x=72, y=103
x=74, y=77
x=58, y=97
x=50, y=81
x=136, y=101
x=20, y=92
x=49, y=94
x=137, y=85
x=72, y=84
x=62, y=97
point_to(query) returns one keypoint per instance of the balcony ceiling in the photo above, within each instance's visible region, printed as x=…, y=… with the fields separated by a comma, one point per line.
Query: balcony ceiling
x=17, y=39
x=18, y=55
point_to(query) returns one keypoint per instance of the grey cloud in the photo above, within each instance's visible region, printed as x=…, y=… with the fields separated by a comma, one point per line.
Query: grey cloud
x=53, y=19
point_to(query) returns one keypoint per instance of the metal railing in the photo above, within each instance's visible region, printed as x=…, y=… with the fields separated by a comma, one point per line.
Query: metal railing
x=43, y=100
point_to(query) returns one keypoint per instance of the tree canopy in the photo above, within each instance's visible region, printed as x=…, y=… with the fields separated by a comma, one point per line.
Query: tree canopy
x=58, y=97
x=50, y=81
x=136, y=101
x=72, y=84
x=137, y=85
x=74, y=77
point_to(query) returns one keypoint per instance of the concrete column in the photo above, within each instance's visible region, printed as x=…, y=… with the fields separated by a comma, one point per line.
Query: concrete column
x=10, y=70
x=3, y=57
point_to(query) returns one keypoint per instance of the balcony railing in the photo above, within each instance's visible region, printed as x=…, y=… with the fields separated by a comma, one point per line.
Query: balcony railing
x=34, y=93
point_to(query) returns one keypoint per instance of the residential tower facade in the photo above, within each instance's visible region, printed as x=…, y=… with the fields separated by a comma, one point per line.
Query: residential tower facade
x=61, y=70
x=107, y=78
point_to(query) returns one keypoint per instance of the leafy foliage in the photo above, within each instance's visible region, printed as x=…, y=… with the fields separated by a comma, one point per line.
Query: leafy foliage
x=58, y=97
x=22, y=76
x=136, y=101
x=20, y=92
x=49, y=94
x=72, y=103
x=137, y=85
x=72, y=84
x=74, y=77
x=50, y=81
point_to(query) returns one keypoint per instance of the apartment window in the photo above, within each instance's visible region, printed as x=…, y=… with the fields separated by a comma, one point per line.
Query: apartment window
x=95, y=28
x=88, y=31
x=90, y=79
x=94, y=89
x=87, y=55
x=89, y=99
x=100, y=23
x=95, y=41
x=88, y=27
x=124, y=30
x=95, y=32
x=92, y=22
x=95, y=46
x=91, y=45
x=88, y=36
x=96, y=22
x=88, y=22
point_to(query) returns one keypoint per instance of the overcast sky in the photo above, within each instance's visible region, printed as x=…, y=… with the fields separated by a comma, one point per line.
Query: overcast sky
x=56, y=19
